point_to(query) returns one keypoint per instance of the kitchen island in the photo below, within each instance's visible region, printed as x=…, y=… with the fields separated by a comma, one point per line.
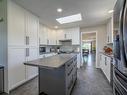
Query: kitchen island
x=57, y=74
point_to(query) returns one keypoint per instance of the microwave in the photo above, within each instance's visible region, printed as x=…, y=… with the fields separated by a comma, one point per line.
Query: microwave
x=42, y=50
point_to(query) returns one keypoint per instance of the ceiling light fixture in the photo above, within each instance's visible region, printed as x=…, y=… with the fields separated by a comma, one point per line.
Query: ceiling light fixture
x=70, y=19
x=59, y=10
x=110, y=11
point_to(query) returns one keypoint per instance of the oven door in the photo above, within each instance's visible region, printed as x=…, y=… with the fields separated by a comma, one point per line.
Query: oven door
x=119, y=83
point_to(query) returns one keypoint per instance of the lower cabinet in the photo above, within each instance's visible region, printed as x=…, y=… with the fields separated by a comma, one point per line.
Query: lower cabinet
x=16, y=68
x=105, y=65
x=71, y=74
x=31, y=71
x=18, y=73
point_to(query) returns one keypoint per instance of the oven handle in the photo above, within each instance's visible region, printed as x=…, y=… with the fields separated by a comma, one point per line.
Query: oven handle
x=121, y=75
x=119, y=82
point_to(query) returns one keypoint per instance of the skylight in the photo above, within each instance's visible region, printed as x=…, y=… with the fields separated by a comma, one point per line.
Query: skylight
x=70, y=19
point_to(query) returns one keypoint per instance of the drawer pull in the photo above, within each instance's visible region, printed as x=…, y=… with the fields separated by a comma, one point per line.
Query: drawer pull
x=70, y=72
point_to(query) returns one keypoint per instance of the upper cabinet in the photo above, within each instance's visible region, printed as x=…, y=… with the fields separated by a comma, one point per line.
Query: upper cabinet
x=16, y=27
x=23, y=26
x=52, y=37
x=43, y=35
x=110, y=31
x=32, y=29
x=71, y=34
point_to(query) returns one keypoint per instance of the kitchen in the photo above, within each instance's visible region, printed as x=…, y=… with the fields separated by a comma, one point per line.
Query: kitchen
x=38, y=44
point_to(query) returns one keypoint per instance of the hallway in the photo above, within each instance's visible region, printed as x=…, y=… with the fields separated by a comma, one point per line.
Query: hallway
x=90, y=81
x=90, y=60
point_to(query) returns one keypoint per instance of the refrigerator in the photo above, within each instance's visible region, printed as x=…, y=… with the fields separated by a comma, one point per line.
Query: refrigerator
x=120, y=48
x=120, y=35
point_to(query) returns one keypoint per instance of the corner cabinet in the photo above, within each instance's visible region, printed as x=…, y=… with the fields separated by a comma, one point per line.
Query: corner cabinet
x=110, y=31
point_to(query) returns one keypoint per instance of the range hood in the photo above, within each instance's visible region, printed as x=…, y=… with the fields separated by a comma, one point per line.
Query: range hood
x=66, y=40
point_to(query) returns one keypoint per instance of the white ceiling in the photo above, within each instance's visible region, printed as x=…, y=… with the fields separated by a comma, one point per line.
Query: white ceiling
x=93, y=11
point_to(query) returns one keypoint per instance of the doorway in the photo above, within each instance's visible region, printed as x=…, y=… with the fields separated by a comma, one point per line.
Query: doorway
x=88, y=49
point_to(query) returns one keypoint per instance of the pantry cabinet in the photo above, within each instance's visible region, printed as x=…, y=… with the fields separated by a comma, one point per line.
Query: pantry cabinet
x=31, y=29
x=16, y=27
x=23, y=28
x=16, y=68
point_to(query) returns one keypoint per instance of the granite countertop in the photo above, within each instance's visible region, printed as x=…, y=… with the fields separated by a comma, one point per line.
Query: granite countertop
x=107, y=54
x=51, y=62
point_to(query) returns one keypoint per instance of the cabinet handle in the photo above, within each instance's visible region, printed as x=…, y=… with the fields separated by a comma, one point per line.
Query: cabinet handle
x=108, y=38
x=39, y=40
x=47, y=41
x=105, y=61
x=27, y=52
x=27, y=40
x=65, y=36
x=70, y=72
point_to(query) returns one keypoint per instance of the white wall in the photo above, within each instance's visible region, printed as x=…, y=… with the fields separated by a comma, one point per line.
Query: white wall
x=101, y=39
x=3, y=39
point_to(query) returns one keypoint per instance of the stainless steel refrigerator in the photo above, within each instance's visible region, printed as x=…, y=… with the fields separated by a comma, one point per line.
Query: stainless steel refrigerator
x=120, y=48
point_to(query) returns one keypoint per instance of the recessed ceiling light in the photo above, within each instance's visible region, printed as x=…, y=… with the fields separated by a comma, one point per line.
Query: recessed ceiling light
x=56, y=27
x=110, y=11
x=59, y=10
x=69, y=19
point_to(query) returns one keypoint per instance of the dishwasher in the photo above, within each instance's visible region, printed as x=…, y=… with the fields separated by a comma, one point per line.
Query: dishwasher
x=1, y=79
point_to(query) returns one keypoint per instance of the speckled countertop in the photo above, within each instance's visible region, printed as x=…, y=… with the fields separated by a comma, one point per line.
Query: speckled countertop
x=51, y=62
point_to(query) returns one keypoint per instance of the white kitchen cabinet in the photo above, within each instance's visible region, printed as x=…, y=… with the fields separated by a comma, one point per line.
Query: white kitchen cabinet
x=110, y=31
x=60, y=36
x=31, y=54
x=16, y=68
x=75, y=36
x=16, y=27
x=32, y=29
x=78, y=60
x=43, y=34
x=105, y=65
x=69, y=34
x=23, y=30
x=52, y=37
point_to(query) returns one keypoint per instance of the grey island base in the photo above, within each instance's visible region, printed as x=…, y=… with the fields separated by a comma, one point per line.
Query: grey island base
x=57, y=74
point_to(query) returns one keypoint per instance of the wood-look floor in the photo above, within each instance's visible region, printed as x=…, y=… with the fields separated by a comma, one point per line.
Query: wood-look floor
x=91, y=81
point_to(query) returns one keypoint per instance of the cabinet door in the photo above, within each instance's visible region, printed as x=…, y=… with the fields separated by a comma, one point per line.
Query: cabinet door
x=60, y=35
x=51, y=37
x=108, y=68
x=110, y=31
x=32, y=29
x=67, y=34
x=16, y=68
x=30, y=70
x=75, y=32
x=43, y=35
x=16, y=28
